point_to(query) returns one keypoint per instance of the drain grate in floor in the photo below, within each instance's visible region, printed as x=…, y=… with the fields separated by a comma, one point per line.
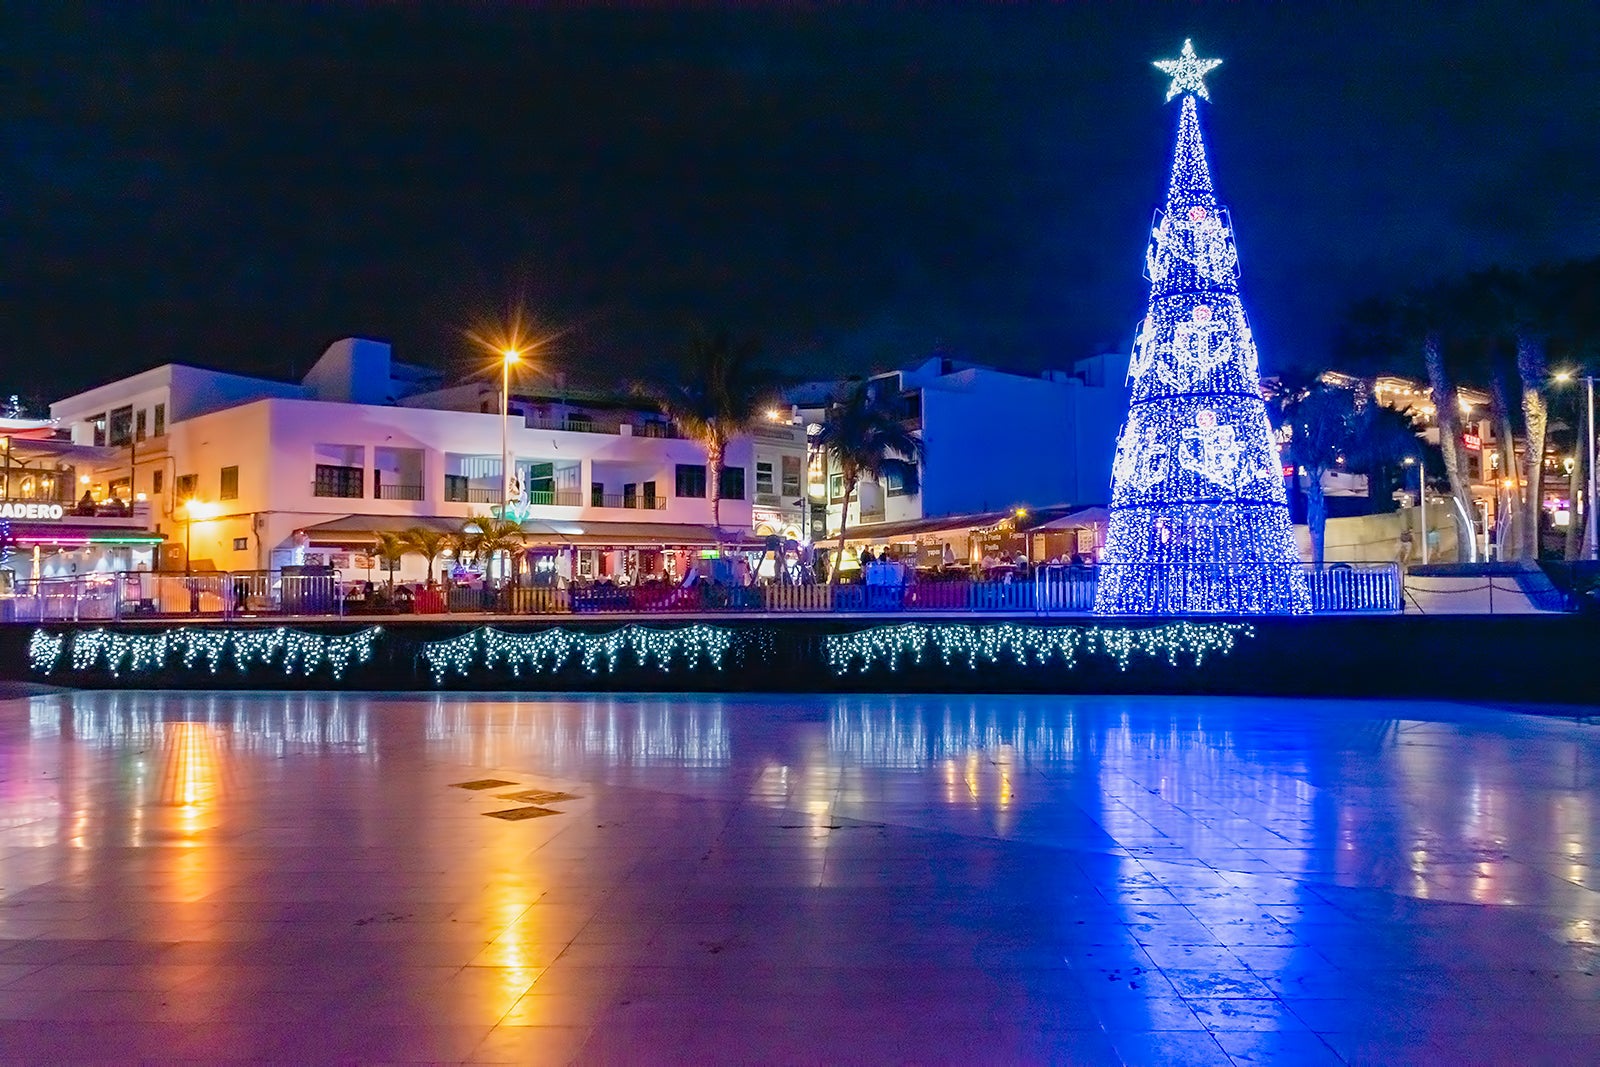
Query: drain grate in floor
x=518, y=814
x=536, y=796
x=482, y=783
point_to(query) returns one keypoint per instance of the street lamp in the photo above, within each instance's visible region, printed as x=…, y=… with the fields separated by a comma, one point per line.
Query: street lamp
x=510, y=356
x=1589, y=503
x=1422, y=501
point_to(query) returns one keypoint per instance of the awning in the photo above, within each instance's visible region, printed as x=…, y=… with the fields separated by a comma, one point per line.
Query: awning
x=911, y=529
x=1075, y=520
x=363, y=530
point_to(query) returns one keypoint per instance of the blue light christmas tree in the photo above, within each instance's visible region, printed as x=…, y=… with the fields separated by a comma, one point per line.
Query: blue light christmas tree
x=1199, y=520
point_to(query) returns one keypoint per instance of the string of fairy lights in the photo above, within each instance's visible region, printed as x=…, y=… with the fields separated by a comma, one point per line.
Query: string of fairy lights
x=891, y=647
x=550, y=650
x=192, y=648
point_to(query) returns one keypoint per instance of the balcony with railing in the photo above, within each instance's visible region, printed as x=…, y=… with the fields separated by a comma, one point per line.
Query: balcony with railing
x=36, y=489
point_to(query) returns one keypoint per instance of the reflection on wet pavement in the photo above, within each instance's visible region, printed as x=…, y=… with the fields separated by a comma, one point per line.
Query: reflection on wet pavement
x=306, y=877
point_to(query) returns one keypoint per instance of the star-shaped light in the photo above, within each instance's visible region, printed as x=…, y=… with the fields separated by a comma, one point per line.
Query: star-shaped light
x=1188, y=72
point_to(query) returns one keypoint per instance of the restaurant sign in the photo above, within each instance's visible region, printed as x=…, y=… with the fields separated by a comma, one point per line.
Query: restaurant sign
x=28, y=509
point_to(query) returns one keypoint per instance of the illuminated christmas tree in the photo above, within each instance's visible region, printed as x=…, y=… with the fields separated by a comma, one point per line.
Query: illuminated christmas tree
x=1199, y=520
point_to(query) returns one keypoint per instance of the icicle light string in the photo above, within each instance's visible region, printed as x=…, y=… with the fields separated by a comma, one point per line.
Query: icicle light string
x=891, y=647
x=550, y=650
x=191, y=648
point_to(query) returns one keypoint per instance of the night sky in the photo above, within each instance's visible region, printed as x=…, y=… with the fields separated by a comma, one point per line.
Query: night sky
x=237, y=187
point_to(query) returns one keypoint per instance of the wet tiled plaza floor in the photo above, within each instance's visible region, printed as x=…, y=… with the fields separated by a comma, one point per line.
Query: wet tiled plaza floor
x=307, y=878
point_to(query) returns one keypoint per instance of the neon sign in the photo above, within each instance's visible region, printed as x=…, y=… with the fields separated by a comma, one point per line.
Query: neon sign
x=23, y=509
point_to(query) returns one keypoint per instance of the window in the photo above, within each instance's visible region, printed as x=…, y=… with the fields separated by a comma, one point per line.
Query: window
x=630, y=495
x=230, y=483
x=791, y=476
x=764, y=478
x=119, y=430
x=337, y=481
x=186, y=485
x=597, y=494
x=455, y=488
x=649, y=496
x=241, y=544
x=157, y=479
x=160, y=426
x=895, y=484
x=836, y=486
x=98, y=423
x=139, y=425
x=691, y=479
x=732, y=487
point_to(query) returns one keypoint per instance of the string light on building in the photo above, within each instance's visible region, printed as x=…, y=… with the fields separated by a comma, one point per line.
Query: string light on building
x=548, y=651
x=123, y=652
x=1199, y=519
x=890, y=647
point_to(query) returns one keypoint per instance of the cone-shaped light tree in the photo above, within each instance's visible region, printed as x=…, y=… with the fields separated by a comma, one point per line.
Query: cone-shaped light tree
x=1199, y=519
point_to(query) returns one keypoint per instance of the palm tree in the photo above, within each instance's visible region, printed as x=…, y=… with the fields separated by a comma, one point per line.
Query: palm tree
x=391, y=548
x=427, y=543
x=716, y=391
x=864, y=435
x=485, y=537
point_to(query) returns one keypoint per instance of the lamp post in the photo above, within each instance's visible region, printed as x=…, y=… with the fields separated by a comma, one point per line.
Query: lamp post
x=510, y=356
x=1422, y=501
x=1589, y=544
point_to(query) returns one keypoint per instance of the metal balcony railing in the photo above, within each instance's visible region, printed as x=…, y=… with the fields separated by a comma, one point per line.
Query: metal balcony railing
x=615, y=500
x=342, y=490
x=472, y=496
x=399, y=492
x=557, y=498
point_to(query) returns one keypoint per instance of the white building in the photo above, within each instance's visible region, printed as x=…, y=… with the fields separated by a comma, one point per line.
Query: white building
x=303, y=473
x=995, y=440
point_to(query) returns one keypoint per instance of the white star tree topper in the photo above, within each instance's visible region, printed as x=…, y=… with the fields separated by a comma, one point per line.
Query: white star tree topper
x=1188, y=72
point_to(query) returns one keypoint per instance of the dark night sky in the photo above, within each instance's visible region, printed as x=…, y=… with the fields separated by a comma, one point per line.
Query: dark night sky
x=239, y=186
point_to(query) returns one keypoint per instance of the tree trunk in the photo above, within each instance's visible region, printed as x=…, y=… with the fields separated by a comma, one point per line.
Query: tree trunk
x=1316, y=514
x=844, y=522
x=714, y=476
x=1536, y=418
x=1508, y=500
x=1448, y=415
x=1575, y=483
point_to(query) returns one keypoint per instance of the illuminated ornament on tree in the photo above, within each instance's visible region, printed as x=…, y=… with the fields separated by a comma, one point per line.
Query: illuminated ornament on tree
x=1199, y=520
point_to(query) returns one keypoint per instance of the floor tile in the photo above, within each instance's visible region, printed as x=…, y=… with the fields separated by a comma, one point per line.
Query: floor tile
x=795, y=879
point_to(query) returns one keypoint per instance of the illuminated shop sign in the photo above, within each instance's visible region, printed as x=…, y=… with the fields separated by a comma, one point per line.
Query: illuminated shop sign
x=24, y=509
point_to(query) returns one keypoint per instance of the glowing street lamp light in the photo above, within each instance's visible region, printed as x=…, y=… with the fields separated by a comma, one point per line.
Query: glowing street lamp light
x=193, y=511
